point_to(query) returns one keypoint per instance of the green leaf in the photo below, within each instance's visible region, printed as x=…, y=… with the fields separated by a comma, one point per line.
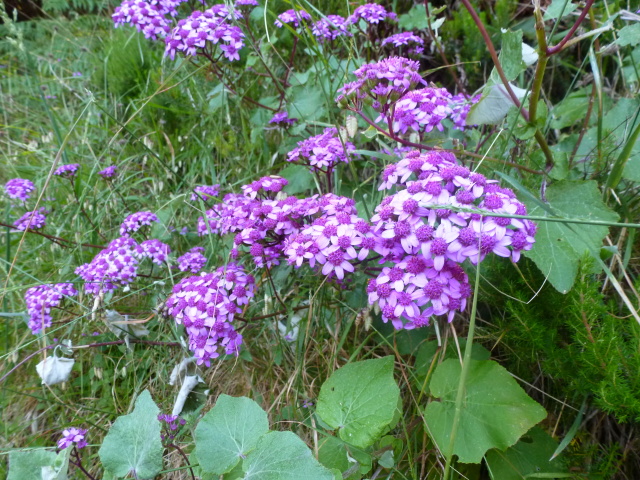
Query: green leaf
x=493, y=106
x=29, y=464
x=629, y=35
x=559, y=246
x=496, y=411
x=559, y=9
x=332, y=453
x=510, y=57
x=360, y=400
x=299, y=177
x=133, y=443
x=416, y=18
x=307, y=103
x=283, y=456
x=228, y=432
x=571, y=110
x=530, y=455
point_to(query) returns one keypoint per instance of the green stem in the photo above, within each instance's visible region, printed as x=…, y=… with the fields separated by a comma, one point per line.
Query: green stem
x=618, y=168
x=463, y=377
x=540, y=67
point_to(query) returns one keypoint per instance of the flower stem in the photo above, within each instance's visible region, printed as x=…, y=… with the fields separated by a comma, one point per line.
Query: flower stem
x=463, y=377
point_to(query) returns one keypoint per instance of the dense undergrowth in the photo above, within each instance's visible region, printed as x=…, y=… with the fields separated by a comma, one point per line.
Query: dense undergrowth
x=563, y=320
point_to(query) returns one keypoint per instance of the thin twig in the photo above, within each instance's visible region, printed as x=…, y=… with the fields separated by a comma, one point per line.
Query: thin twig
x=55, y=239
x=185, y=458
x=557, y=48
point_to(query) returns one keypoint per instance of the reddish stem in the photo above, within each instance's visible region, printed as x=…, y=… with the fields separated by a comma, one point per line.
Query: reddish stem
x=557, y=48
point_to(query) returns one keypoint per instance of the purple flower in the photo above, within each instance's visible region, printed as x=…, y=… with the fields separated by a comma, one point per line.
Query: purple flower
x=371, y=13
x=136, y=221
x=421, y=110
x=68, y=171
x=205, y=192
x=322, y=152
x=282, y=119
x=210, y=27
x=193, y=261
x=293, y=17
x=155, y=250
x=330, y=28
x=265, y=186
x=246, y=3
x=381, y=83
x=402, y=39
x=426, y=241
x=108, y=172
x=41, y=299
x=33, y=220
x=72, y=435
x=116, y=265
x=206, y=305
x=149, y=17
x=460, y=106
x=19, y=188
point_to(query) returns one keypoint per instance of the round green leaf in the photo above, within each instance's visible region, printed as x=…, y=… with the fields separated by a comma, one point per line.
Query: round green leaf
x=559, y=247
x=496, y=411
x=228, y=432
x=30, y=463
x=133, y=443
x=283, y=456
x=528, y=457
x=360, y=400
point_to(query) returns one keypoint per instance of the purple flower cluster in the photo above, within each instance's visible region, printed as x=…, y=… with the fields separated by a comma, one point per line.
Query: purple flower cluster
x=460, y=106
x=421, y=110
x=19, y=188
x=382, y=83
x=136, y=221
x=211, y=27
x=371, y=13
x=293, y=17
x=330, y=28
x=333, y=241
x=282, y=119
x=68, y=170
x=153, y=249
x=73, y=435
x=33, y=220
x=205, y=192
x=206, y=305
x=406, y=39
x=170, y=424
x=389, y=85
x=149, y=17
x=265, y=226
x=322, y=152
x=108, y=172
x=193, y=261
x=41, y=299
x=430, y=226
x=116, y=265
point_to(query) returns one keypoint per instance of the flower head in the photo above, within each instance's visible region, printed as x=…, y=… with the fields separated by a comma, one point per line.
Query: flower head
x=108, y=172
x=19, y=188
x=371, y=13
x=42, y=299
x=73, y=435
x=205, y=192
x=193, y=261
x=136, y=221
x=68, y=170
x=292, y=17
x=33, y=220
